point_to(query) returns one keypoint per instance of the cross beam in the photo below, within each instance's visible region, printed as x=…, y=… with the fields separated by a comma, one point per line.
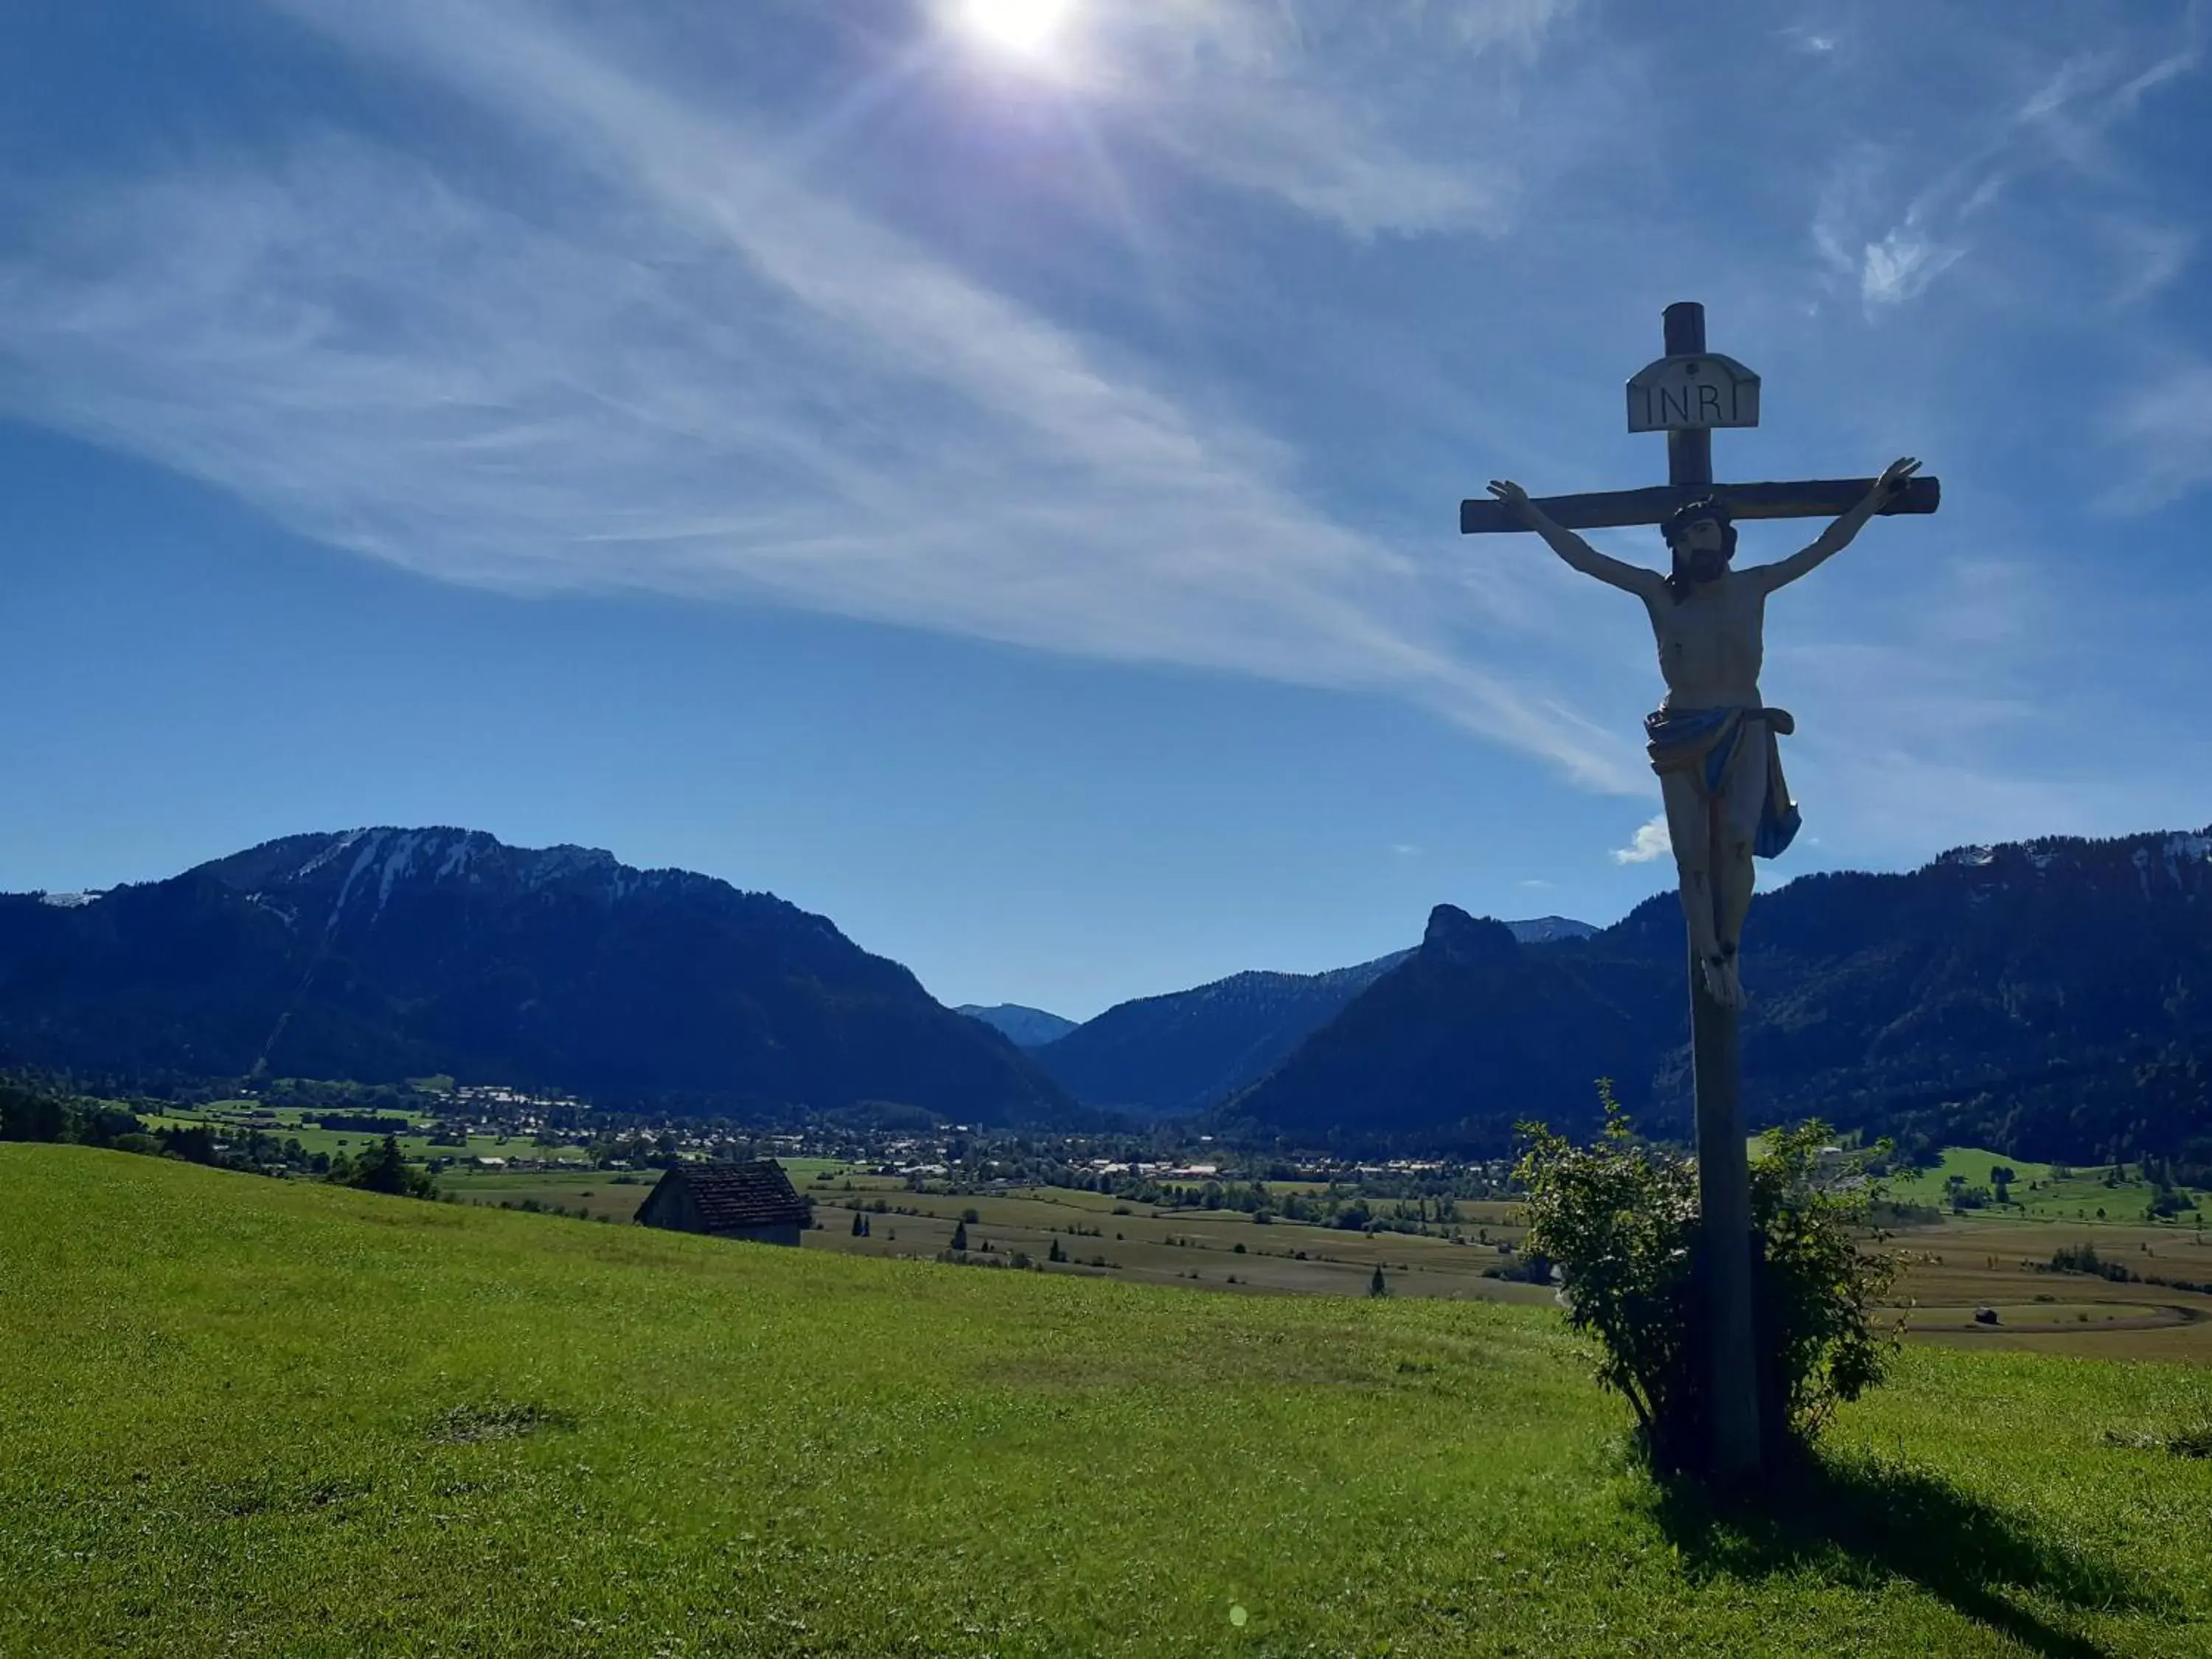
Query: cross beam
x=1690, y=464
x=1817, y=498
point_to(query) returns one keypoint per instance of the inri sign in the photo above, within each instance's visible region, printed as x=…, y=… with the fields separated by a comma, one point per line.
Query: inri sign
x=1692, y=392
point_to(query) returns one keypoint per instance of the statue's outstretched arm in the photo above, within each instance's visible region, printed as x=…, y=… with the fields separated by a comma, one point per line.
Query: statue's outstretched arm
x=1838, y=536
x=1634, y=578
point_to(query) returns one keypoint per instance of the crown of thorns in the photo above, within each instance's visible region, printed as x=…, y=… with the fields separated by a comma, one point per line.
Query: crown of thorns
x=1690, y=512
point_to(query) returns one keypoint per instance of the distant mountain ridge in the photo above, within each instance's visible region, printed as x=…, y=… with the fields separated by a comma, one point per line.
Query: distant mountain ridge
x=1542, y=930
x=2050, y=996
x=1025, y=1028
x=1184, y=1051
x=383, y=953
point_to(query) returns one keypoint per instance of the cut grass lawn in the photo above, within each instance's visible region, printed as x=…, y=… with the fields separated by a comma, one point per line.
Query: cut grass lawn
x=253, y=1417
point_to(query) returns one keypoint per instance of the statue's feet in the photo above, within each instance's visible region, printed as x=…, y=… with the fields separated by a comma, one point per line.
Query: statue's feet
x=1723, y=984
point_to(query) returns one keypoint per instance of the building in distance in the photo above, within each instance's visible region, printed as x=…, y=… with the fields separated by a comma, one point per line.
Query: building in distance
x=754, y=1201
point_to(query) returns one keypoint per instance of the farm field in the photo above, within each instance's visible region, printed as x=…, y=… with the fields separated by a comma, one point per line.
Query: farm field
x=1984, y=1259
x=1194, y=1248
x=1981, y=1260
x=607, y=1194
x=257, y=1417
x=1221, y=1250
x=416, y=1147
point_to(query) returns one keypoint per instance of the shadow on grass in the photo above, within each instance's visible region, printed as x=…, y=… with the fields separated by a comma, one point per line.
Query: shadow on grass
x=1862, y=1520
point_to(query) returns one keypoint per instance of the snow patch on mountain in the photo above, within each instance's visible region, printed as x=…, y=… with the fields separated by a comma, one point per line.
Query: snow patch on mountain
x=1542, y=930
x=399, y=862
x=328, y=855
x=283, y=913
x=366, y=857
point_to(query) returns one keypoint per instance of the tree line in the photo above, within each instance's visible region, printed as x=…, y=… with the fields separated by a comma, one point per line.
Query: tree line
x=32, y=1109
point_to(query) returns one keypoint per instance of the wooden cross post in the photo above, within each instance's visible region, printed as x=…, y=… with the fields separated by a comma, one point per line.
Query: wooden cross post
x=1686, y=394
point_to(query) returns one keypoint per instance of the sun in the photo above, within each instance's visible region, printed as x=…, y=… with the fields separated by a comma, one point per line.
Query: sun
x=1025, y=27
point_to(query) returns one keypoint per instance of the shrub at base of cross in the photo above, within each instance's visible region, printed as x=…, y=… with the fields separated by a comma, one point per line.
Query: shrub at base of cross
x=1620, y=1219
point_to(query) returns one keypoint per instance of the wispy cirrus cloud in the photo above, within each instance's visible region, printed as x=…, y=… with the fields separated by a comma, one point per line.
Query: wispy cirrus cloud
x=1892, y=243
x=670, y=362
x=1334, y=112
x=1903, y=263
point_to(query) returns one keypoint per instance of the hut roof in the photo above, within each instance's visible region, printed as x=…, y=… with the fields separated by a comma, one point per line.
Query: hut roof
x=734, y=1195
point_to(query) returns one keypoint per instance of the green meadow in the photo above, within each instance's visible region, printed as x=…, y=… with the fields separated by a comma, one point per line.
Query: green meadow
x=256, y=1416
x=233, y=1116
x=2036, y=1193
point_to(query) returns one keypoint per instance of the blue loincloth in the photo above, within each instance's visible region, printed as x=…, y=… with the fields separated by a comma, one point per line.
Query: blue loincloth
x=1705, y=743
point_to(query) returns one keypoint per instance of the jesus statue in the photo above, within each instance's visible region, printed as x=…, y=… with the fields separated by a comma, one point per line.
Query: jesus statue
x=1712, y=741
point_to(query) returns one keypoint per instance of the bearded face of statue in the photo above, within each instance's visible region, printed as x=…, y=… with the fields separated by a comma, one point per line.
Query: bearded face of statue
x=1706, y=550
x=1703, y=549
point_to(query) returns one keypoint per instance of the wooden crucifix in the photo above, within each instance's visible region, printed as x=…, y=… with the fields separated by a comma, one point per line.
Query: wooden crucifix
x=1713, y=743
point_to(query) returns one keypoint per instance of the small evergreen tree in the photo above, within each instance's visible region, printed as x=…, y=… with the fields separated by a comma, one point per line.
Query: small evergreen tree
x=860, y=1225
x=1377, y=1285
x=1056, y=1253
x=385, y=1169
x=960, y=1236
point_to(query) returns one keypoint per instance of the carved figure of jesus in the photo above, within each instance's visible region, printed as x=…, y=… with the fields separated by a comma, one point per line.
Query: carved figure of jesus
x=1713, y=739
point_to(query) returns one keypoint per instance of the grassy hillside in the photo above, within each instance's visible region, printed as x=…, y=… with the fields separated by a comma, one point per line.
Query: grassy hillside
x=2080, y=1195
x=254, y=1417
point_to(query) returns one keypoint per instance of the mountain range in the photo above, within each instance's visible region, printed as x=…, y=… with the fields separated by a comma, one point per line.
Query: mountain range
x=1187, y=1050
x=2051, y=999
x=1025, y=1028
x=384, y=953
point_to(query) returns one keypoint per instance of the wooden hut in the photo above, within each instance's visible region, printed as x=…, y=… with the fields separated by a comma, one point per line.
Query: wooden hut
x=754, y=1201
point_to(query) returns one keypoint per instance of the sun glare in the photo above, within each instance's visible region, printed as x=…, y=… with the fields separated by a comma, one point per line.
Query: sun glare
x=1026, y=27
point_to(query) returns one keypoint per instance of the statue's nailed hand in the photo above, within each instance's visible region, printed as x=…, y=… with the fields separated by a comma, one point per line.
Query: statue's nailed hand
x=1895, y=477
x=1515, y=498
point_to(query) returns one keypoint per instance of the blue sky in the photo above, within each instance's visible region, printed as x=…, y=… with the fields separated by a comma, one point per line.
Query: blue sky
x=1005, y=498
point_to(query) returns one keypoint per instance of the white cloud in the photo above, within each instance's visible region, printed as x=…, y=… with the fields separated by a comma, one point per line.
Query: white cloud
x=1894, y=252
x=686, y=370
x=1651, y=842
x=1901, y=264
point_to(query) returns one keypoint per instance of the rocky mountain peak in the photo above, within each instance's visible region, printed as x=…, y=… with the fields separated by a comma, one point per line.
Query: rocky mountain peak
x=1456, y=937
